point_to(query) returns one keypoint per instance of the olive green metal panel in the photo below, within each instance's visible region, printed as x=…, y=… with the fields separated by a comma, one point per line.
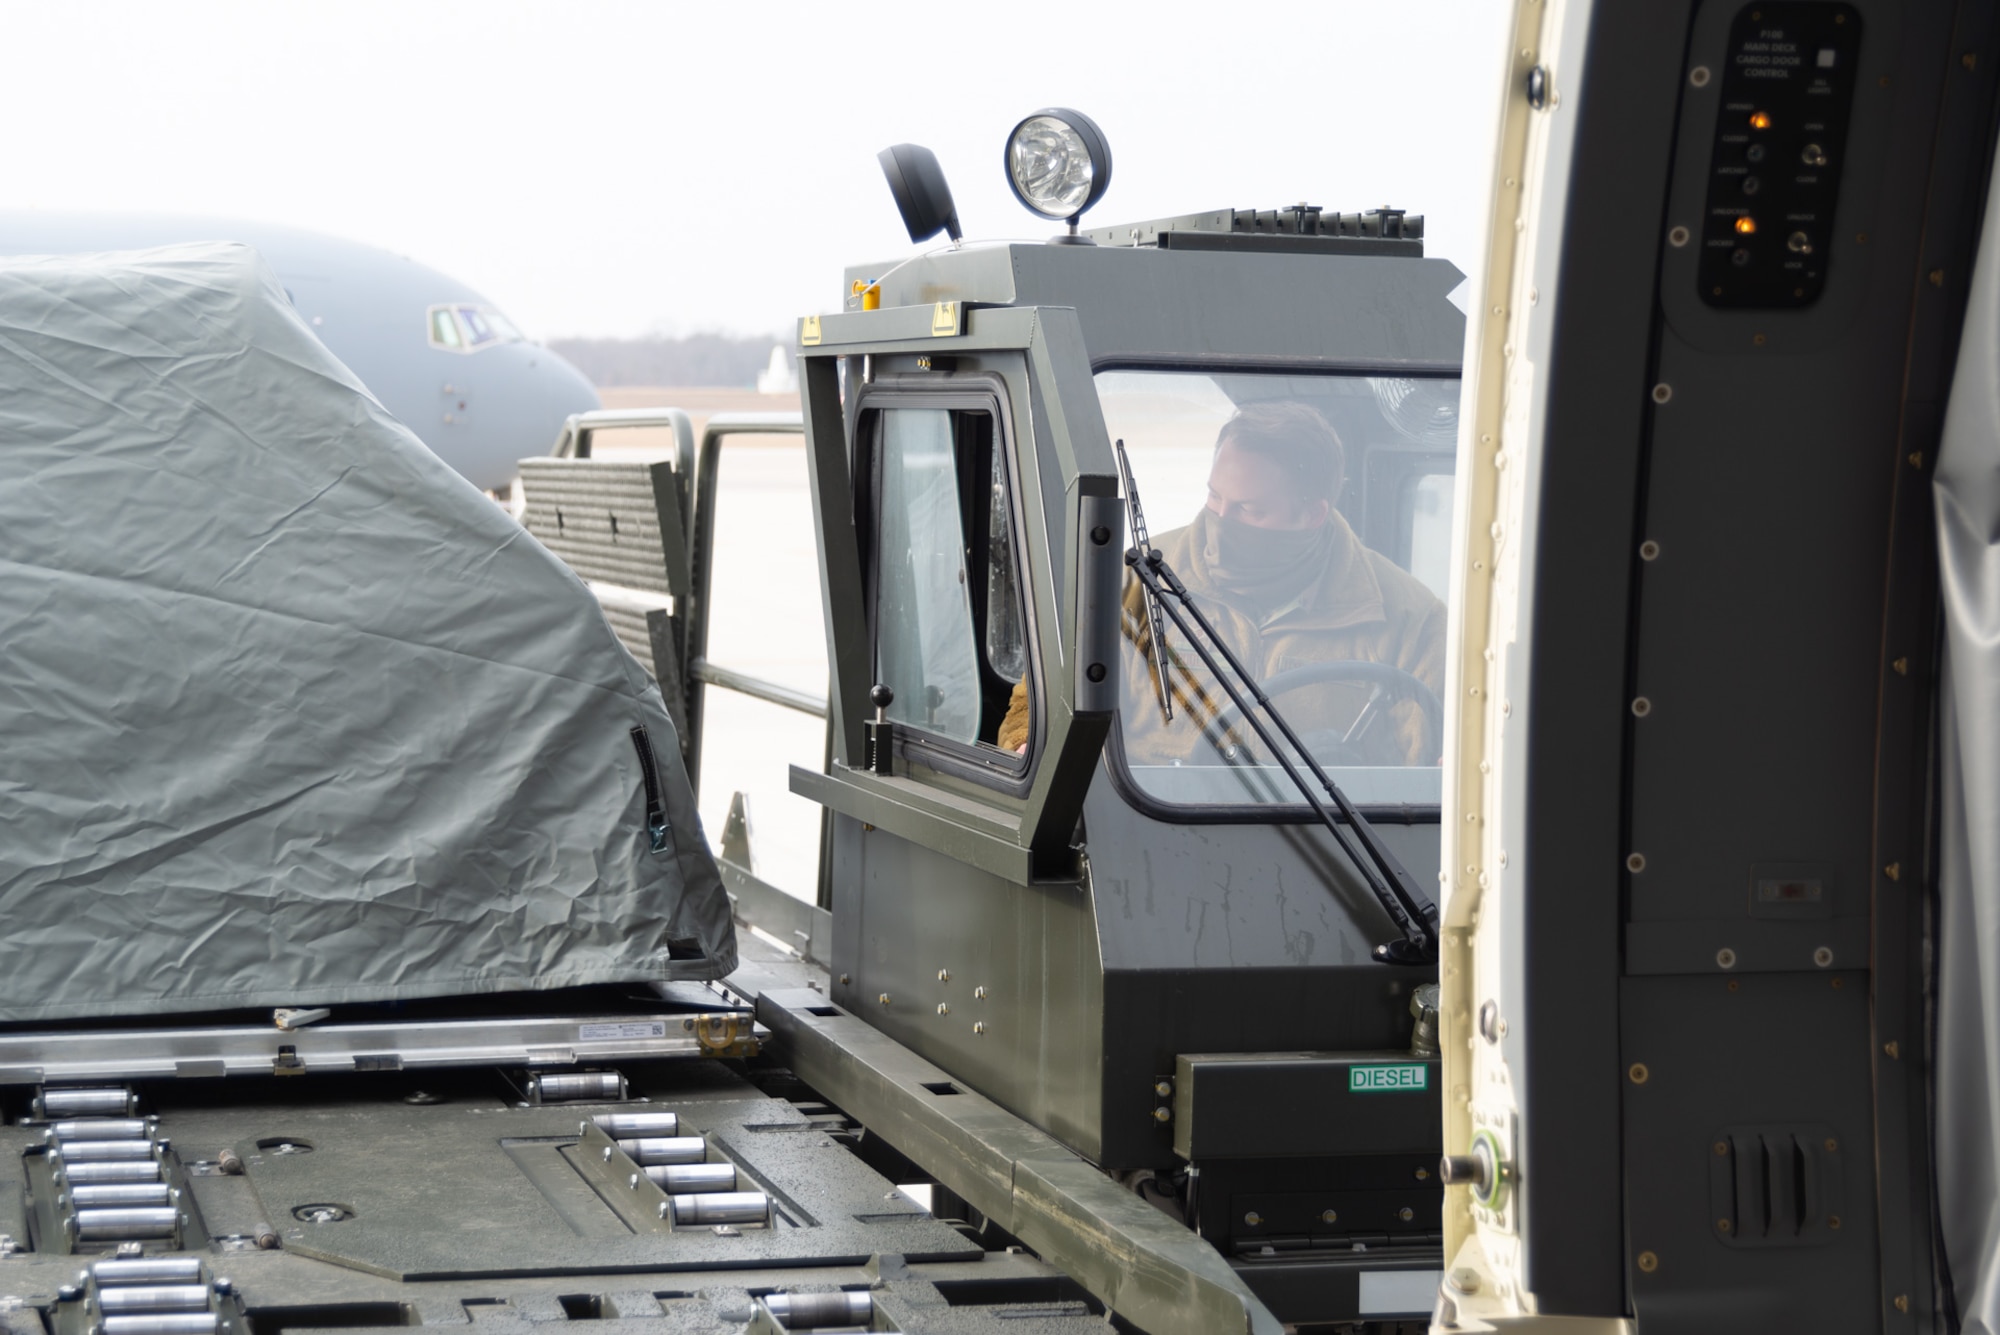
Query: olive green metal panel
x=997, y=980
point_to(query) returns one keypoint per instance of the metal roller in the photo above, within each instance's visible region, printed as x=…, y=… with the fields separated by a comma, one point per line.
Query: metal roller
x=111, y=1170
x=680, y=1178
x=134, y=1222
x=162, y=1323
x=74, y=1151
x=153, y=1298
x=87, y=1194
x=104, y=1128
x=665, y=1149
x=98, y=1102
x=149, y=1270
x=809, y=1311
x=722, y=1207
x=631, y=1125
x=572, y=1086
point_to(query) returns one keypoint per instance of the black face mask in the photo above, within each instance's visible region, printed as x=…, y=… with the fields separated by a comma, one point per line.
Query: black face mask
x=1267, y=563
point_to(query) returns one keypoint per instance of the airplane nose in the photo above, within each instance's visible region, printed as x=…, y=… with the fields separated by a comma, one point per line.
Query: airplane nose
x=514, y=401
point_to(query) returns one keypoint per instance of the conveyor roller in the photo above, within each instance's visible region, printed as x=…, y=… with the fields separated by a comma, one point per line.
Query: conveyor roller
x=152, y=1297
x=109, y=1170
x=576, y=1086
x=77, y=1151
x=149, y=1270
x=99, y=1101
x=630, y=1126
x=104, y=1128
x=680, y=1179
x=162, y=1323
x=117, y=1224
x=812, y=1311
x=722, y=1207
x=93, y=1194
x=665, y=1150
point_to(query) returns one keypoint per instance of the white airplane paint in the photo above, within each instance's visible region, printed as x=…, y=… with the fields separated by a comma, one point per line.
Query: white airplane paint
x=438, y=355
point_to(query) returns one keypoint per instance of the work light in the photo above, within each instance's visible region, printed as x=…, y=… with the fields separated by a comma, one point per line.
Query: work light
x=1058, y=163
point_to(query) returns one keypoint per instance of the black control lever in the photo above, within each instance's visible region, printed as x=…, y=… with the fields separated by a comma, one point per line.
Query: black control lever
x=878, y=740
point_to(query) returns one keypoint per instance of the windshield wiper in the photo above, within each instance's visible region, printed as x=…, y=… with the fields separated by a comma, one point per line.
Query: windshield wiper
x=1143, y=541
x=1408, y=906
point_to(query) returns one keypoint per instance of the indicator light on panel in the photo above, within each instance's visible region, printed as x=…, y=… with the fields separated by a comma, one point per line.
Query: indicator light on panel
x=1760, y=120
x=1746, y=225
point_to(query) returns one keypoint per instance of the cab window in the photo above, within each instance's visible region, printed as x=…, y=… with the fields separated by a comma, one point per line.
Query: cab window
x=949, y=636
x=1310, y=518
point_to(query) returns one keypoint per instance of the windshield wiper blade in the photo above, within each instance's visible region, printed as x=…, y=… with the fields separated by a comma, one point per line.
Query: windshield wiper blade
x=1136, y=517
x=1413, y=911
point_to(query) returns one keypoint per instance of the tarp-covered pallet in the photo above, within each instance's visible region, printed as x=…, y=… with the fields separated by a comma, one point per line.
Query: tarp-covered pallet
x=290, y=714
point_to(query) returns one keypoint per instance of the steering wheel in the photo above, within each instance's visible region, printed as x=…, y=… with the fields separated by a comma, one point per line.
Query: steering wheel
x=1387, y=682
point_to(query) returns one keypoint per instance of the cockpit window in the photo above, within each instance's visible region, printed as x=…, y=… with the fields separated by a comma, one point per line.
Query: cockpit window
x=477, y=331
x=1310, y=518
x=444, y=329
x=469, y=328
x=503, y=328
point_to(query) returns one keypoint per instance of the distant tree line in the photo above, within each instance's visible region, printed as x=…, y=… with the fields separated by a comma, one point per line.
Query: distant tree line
x=693, y=360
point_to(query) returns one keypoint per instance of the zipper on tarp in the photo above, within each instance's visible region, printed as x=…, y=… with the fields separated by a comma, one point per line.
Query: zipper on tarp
x=656, y=811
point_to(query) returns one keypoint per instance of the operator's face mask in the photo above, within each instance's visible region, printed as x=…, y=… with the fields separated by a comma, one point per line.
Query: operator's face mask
x=1262, y=562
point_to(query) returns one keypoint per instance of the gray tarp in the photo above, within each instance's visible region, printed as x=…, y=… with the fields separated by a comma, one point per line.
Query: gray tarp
x=289, y=712
x=1968, y=1004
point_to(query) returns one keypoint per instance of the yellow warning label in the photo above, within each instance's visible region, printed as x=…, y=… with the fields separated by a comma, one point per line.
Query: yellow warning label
x=944, y=320
x=809, y=332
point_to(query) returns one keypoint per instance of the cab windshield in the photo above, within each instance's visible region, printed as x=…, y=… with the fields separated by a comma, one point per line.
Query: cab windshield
x=1310, y=518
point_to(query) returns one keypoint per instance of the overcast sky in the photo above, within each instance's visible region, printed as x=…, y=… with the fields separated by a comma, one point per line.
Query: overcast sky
x=618, y=168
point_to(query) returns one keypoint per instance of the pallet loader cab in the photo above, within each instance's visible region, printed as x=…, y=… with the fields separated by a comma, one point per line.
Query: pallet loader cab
x=1071, y=879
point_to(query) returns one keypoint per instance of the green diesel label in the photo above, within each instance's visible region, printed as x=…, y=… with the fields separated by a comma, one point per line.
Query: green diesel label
x=1387, y=1079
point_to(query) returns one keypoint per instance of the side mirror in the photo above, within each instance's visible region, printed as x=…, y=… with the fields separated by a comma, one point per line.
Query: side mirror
x=922, y=195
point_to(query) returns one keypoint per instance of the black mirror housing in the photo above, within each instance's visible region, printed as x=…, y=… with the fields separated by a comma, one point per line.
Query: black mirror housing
x=923, y=196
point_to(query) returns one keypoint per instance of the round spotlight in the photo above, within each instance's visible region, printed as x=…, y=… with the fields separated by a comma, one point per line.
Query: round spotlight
x=1058, y=163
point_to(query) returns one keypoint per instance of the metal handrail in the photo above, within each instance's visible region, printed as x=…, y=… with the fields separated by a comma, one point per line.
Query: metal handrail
x=731, y=680
x=700, y=533
x=574, y=440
